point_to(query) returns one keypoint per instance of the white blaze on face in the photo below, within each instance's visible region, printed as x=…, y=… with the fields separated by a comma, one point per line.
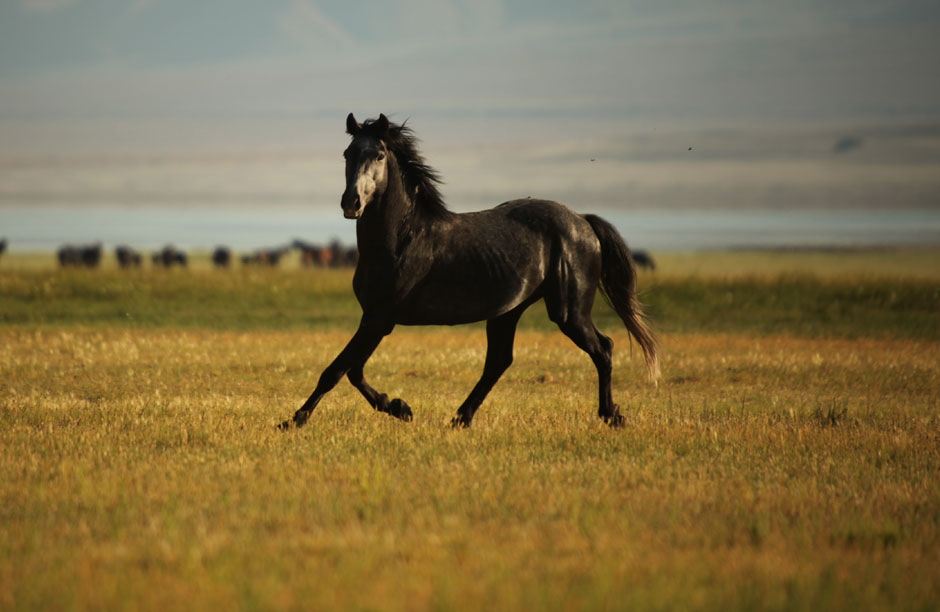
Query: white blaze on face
x=371, y=179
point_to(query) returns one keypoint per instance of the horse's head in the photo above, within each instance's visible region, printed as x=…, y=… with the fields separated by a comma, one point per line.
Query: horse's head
x=366, y=165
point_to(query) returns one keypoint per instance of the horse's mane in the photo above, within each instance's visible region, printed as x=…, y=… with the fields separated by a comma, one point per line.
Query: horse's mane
x=420, y=180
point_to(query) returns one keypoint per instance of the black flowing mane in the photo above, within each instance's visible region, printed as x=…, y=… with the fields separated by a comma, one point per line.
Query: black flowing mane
x=420, y=180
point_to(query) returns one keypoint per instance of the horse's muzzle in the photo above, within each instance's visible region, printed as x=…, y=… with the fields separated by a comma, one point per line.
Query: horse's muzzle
x=351, y=206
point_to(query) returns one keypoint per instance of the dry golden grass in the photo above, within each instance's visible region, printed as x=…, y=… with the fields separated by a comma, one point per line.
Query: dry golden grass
x=142, y=471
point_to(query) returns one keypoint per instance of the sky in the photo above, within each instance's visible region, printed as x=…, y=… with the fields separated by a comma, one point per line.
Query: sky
x=711, y=60
x=525, y=93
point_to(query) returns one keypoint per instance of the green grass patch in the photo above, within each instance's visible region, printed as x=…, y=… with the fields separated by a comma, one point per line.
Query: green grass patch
x=250, y=299
x=224, y=299
x=800, y=305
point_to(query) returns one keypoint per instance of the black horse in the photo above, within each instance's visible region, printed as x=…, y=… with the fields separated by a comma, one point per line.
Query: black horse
x=421, y=264
x=265, y=257
x=127, y=257
x=79, y=256
x=221, y=257
x=168, y=257
x=643, y=259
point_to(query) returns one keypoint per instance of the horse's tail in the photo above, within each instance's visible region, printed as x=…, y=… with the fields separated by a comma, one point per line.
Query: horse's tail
x=618, y=284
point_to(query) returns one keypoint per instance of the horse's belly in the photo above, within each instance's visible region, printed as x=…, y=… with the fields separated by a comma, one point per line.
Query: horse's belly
x=450, y=304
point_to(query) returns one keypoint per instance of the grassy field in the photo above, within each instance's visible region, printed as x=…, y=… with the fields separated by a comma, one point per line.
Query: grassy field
x=788, y=460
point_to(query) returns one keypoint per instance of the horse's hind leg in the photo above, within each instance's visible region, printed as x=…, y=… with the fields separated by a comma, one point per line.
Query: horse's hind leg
x=582, y=331
x=500, y=334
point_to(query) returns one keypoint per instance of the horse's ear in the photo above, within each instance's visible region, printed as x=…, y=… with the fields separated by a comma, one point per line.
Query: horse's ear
x=352, y=126
x=382, y=124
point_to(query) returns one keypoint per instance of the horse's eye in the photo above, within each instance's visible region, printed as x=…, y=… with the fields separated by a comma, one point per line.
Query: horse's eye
x=380, y=156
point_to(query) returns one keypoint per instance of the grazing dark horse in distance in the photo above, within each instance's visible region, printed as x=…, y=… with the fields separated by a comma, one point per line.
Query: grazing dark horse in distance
x=421, y=264
x=81, y=256
x=333, y=256
x=169, y=256
x=264, y=257
x=127, y=257
x=643, y=259
x=311, y=254
x=221, y=257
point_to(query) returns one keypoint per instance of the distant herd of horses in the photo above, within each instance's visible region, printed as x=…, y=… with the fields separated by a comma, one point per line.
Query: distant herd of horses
x=334, y=255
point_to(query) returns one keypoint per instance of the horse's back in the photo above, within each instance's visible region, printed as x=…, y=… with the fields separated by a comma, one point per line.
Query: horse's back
x=562, y=241
x=570, y=235
x=545, y=217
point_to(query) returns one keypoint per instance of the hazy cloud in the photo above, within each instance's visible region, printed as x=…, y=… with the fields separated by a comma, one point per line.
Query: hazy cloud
x=698, y=61
x=304, y=23
x=44, y=6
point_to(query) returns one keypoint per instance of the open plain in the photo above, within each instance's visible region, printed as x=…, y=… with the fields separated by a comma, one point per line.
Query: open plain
x=789, y=459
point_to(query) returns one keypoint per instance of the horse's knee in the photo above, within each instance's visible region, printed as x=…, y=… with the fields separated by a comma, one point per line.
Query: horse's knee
x=355, y=376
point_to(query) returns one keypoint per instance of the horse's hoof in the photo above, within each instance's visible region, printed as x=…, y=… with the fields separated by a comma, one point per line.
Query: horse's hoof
x=400, y=410
x=300, y=417
x=459, y=422
x=615, y=421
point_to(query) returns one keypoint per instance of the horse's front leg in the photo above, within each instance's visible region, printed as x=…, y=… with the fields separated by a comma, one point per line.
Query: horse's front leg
x=396, y=407
x=500, y=334
x=357, y=351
